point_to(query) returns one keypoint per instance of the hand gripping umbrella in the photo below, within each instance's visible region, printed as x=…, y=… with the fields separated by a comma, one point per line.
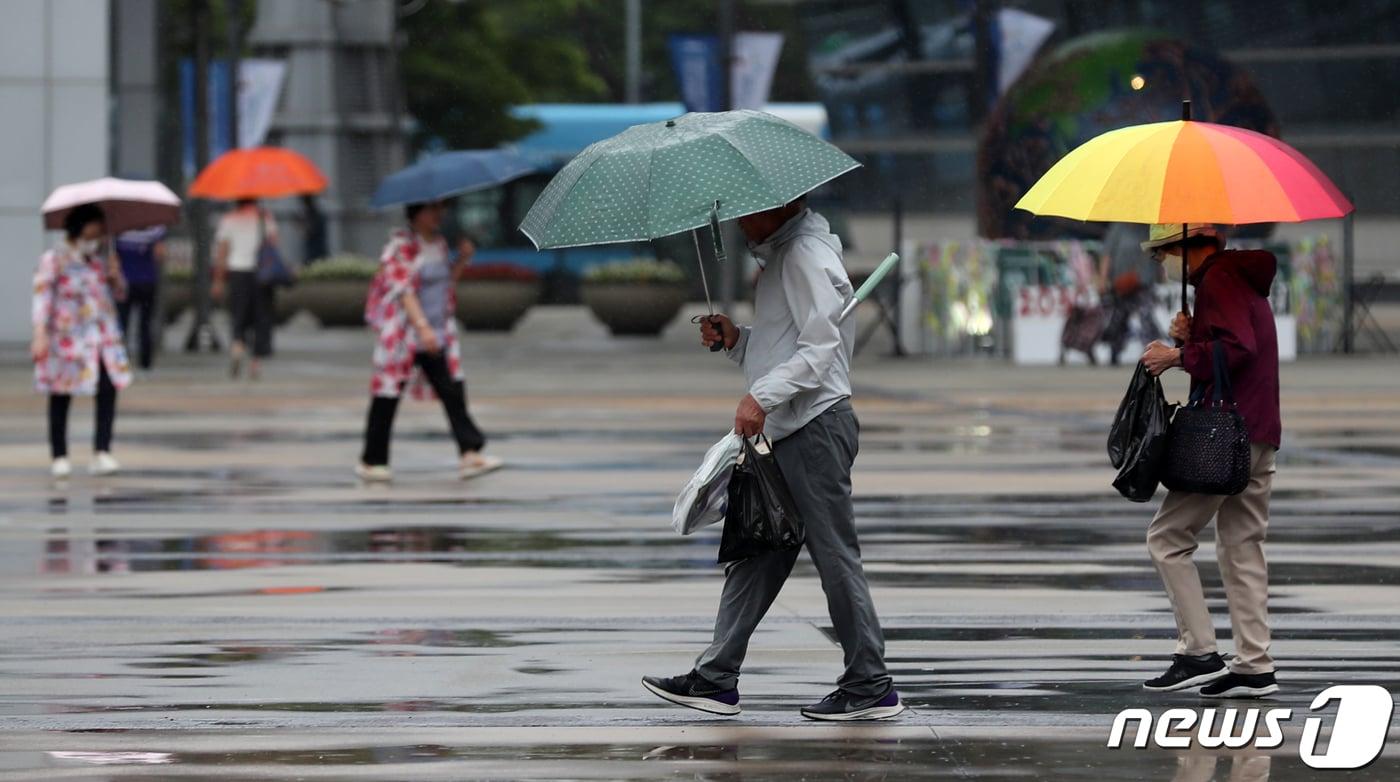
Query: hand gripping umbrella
x=663, y=178
x=1185, y=172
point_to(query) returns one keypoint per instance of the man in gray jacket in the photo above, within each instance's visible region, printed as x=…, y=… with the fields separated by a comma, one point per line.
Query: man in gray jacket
x=796, y=358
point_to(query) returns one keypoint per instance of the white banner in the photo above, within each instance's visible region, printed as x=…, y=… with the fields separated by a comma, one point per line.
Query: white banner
x=1021, y=37
x=259, y=89
x=755, y=59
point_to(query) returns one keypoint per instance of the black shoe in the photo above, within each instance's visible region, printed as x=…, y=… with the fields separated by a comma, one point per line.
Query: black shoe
x=694, y=692
x=1242, y=685
x=842, y=706
x=1187, y=672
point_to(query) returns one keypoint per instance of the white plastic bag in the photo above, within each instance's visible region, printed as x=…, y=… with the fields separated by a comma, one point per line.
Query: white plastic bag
x=705, y=498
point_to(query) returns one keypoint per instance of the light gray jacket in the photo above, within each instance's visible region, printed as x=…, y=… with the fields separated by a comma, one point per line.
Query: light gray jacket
x=796, y=356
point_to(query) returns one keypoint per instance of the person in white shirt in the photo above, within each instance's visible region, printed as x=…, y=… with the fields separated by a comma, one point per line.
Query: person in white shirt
x=237, y=240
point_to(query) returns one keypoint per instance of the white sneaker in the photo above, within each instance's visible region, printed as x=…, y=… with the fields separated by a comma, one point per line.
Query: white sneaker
x=103, y=464
x=476, y=464
x=374, y=473
x=62, y=468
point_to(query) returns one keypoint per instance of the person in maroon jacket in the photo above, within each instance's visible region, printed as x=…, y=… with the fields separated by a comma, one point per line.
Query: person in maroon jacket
x=1232, y=312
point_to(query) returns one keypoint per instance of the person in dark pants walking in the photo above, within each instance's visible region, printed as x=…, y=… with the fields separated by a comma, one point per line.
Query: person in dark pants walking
x=237, y=241
x=314, y=243
x=410, y=305
x=796, y=358
x=142, y=252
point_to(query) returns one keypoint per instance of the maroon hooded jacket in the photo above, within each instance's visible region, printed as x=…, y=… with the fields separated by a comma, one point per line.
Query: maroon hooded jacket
x=1232, y=308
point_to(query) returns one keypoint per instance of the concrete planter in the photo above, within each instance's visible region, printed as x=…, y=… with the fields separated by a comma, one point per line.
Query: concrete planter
x=334, y=303
x=494, y=305
x=629, y=309
x=175, y=297
x=287, y=302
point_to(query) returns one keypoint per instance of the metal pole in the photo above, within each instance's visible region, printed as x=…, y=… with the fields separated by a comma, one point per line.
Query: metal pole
x=634, y=51
x=1348, y=271
x=202, y=331
x=234, y=10
x=898, y=276
x=984, y=60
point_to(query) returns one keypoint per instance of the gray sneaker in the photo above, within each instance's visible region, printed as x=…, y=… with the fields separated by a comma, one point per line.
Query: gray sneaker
x=842, y=706
x=693, y=692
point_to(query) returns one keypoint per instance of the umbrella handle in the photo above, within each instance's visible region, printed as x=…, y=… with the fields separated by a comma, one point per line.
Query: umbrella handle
x=715, y=323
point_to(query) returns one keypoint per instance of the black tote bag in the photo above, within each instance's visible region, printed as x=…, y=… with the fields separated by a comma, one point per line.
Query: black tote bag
x=761, y=516
x=1207, y=443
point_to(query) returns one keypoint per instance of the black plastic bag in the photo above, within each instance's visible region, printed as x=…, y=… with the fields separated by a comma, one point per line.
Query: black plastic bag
x=1137, y=441
x=761, y=516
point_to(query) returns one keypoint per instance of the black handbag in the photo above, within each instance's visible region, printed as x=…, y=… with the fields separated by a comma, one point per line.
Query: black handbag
x=761, y=516
x=1208, y=444
x=1137, y=442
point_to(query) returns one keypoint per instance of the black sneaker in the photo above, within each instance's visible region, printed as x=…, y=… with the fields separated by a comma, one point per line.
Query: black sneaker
x=694, y=692
x=842, y=706
x=1242, y=685
x=1187, y=672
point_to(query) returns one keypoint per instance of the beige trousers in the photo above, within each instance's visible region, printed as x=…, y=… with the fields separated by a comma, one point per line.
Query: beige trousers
x=1240, y=527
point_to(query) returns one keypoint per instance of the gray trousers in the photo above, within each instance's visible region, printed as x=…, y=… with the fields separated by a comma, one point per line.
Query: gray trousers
x=816, y=463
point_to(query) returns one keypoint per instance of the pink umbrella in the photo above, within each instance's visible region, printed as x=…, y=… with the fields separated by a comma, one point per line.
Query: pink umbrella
x=127, y=203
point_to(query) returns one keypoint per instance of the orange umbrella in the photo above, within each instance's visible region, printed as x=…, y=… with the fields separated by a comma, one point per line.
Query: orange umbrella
x=259, y=172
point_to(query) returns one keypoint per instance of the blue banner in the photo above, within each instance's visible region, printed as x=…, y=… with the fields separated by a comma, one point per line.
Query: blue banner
x=695, y=59
x=220, y=132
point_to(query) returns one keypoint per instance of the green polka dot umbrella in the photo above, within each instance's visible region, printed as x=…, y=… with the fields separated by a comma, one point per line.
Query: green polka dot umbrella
x=662, y=178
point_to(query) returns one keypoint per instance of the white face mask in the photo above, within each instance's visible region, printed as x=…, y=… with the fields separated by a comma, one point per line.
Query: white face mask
x=1173, y=267
x=88, y=246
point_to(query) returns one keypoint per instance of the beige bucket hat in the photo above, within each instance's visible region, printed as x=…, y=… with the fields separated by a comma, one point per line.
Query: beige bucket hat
x=1163, y=234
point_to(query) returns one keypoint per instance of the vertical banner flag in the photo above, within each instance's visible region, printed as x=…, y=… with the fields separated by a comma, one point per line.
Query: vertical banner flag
x=755, y=60
x=695, y=59
x=1017, y=37
x=216, y=94
x=259, y=89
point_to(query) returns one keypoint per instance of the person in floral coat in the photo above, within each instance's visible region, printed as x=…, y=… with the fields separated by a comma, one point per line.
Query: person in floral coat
x=77, y=346
x=410, y=306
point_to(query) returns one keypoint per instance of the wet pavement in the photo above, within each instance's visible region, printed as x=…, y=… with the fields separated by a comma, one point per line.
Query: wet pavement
x=235, y=605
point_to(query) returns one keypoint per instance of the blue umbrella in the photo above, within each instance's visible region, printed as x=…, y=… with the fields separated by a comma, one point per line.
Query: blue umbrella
x=450, y=174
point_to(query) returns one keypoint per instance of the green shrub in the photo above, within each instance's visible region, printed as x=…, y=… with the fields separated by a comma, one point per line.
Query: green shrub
x=636, y=271
x=178, y=275
x=345, y=266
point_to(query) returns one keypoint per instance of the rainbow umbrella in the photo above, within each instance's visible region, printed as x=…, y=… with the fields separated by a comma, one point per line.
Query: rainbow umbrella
x=1185, y=172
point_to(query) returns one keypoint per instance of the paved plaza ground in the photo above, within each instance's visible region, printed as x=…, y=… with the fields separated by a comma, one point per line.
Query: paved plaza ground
x=236, y=606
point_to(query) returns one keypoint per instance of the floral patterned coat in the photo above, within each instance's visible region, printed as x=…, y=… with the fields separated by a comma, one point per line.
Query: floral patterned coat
x=397, y=344
x=74, y=307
